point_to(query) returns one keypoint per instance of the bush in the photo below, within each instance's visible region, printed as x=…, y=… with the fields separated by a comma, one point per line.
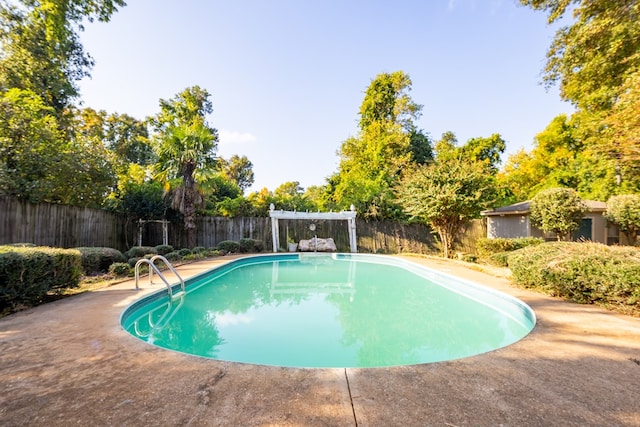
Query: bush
x=487, y=247
x=500, y=259
x=173, y=256
x=247, y=245
x=28, y=274
x=98, y=260
x=581, y=272
x=140, y=251
x=470, y=258
x=198, y=249
x=163, y=249
x=120, y=269
x=184, y=252
x=229, y=246
x=133, y=261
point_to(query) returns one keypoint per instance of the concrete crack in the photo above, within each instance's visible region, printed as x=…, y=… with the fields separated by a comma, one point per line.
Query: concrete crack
x=353, y=408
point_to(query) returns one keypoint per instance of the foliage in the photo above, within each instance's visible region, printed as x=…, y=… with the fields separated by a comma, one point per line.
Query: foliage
x=28, y=274
x=30, y=146
x=143, y=200
x=592, y=56
x=290, y=196
x=445, y=195
x=98, y=259
x=581, y=272
x=486, y=150
x=163, y=249
x=486, y=246
x=140, y=251
x=173, y=256
x=595, y=58
x=557, y=210
x=624, y=211
x=247, y=245
x=42, y=50
x=39, y=165
x=238, y=169
x=185, y=145
x=229, y=246
x=388, y=142
x=120, y=269
x=184, y=252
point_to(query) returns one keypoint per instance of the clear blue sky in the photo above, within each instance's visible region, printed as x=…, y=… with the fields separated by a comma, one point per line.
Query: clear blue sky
x=287, y=76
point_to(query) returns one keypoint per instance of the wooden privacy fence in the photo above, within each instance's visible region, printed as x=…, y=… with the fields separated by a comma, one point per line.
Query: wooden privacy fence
x=68, y=226
x=62, y=226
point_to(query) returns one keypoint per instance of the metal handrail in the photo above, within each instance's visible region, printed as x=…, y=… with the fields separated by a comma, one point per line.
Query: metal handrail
x=153, y=268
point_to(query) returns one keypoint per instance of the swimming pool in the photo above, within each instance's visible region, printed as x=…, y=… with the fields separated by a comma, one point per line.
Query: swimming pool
x=329, y=310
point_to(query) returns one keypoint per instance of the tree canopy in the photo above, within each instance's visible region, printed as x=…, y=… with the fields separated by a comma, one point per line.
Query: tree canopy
x=557, y=210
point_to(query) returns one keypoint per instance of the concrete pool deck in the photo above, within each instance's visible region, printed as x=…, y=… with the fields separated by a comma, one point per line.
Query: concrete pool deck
x=70, y=363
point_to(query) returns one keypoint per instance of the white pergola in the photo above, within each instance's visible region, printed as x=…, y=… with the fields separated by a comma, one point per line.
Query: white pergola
x=349, y=216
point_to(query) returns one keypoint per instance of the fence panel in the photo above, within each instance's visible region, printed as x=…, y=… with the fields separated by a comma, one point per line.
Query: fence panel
x=68, y=226
x=62, y=226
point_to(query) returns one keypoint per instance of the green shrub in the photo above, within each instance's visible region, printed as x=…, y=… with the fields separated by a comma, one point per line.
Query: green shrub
x=470, y=258
x=27, y=274
x=500, y=259
x=173, y=256
x=247, y=245
x=163, y=249
x=198, y=249
x=184, y=252
x=120, y=269
x=581, y=272
x=140, y=251
x=229, y=246
x=487, y=247
x=133, y=261
x=98, y=259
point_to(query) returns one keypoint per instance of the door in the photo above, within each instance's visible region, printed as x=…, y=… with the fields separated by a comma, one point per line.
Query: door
x=584, y=231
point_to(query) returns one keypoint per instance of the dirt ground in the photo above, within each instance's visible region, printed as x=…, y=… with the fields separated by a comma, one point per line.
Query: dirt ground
x=70, y=363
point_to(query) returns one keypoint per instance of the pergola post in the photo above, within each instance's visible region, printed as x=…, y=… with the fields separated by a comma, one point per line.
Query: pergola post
x=275, y=231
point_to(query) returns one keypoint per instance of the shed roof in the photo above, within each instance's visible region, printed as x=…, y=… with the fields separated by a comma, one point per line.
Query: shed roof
x=523, y=208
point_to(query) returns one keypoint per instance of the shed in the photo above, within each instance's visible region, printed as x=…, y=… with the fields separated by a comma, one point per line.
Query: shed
x=514, y=221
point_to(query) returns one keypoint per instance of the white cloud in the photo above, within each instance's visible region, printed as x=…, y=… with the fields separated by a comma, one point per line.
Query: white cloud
x=229, y=137
x=230, y=319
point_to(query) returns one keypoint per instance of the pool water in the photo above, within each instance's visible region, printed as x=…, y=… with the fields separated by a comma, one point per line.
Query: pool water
x=338, y=310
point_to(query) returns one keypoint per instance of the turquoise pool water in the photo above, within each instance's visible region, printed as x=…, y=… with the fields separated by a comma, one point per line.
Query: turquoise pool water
x=338, y=310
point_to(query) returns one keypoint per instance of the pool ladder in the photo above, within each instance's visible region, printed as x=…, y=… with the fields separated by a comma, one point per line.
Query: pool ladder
x=152, y=268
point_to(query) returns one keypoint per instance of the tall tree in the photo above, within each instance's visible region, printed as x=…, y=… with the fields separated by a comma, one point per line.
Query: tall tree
x=557, y=210
x=624, y=211
x=186, y=145
x=186, y=152
x=445, y=195
x=41, y=49
x=592, y=56
x=239, y=170
x=388, y=141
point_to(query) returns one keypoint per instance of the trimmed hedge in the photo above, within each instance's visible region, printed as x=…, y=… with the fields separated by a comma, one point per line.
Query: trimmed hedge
x=488, y=247
x=251, y=245
x=140, y=251
x=229, y=246
x=98, y=259
x=163, y=249
x=581, y=272
x=120, y=269
x=27, y=274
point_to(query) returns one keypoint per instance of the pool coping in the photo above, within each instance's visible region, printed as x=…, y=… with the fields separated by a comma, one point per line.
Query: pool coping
x=71, y=362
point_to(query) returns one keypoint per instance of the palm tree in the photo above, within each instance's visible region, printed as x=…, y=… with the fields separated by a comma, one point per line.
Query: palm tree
x=186, y=152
